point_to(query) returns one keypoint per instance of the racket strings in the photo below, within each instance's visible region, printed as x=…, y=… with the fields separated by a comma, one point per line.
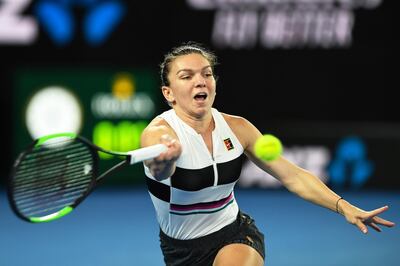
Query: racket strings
x=49, y=157
x=47, y=207
x=26, y=181
x=25, y=198
x=47, y=187
x=51, y=177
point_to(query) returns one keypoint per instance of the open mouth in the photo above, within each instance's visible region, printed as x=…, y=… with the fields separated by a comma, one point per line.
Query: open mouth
x=201, y=96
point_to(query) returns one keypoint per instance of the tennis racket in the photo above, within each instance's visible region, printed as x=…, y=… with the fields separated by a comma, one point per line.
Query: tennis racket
x=57, y=172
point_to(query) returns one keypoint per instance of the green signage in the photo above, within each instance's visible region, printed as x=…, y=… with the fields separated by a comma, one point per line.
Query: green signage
x=110, y=107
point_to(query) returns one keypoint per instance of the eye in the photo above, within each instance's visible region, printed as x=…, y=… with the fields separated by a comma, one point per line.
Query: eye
x=185, y=77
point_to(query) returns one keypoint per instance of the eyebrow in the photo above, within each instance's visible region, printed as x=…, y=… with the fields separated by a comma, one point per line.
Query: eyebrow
x=191, y=70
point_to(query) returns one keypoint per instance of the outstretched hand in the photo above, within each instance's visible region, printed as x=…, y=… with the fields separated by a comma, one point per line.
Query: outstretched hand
x=174, y=149
x=362, y=219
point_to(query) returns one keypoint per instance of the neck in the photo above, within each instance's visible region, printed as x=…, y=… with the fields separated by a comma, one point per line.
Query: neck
x=201, y=124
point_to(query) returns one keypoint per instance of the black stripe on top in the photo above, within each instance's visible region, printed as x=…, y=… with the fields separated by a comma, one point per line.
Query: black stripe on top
x=158, y=189
x=229, y=172
x=193, y=179
x=197, y=179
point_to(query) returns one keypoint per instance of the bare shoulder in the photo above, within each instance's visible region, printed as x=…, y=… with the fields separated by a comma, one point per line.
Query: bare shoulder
x=237, y=123
x=234, y=120
x=157, y=123
x=154, y=130
x=244, y=130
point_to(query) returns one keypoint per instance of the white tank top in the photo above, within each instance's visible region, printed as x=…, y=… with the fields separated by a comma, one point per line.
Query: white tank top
x=198, y=198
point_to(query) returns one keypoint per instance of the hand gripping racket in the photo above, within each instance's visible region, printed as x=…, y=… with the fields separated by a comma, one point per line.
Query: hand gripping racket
x=57, y=172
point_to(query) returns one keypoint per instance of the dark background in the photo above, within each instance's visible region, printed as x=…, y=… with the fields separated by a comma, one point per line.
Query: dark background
x=309, y=97
x=292, y=91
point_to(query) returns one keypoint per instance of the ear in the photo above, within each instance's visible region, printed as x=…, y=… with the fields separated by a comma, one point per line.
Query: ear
x=168, y=94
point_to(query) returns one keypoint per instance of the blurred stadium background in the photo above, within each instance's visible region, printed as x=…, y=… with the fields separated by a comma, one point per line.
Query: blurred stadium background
x=318, y=74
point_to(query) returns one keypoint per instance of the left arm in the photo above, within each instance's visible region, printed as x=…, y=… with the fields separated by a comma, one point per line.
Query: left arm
x=303, y=183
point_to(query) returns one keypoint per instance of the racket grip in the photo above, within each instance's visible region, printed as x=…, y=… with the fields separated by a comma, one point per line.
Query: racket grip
x=146, y=153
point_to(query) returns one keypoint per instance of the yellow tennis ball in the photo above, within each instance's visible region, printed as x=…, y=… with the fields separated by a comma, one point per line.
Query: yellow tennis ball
x=268, y=147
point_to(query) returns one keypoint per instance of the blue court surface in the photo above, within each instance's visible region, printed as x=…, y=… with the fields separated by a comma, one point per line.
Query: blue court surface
x=117, y=227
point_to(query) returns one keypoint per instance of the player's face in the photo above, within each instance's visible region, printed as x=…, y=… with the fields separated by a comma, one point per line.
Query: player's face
x=192, y=85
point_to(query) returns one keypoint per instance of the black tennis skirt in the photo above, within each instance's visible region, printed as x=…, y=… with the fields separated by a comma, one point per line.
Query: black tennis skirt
x=203, y=250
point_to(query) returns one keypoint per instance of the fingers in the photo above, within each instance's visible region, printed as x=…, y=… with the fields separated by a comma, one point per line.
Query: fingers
x=373, y=225
x=371, y=219
x=372, y=215
x=377, y=211
x=362, y=219
x=384, y=222
x=361, y=226
x=174, y=149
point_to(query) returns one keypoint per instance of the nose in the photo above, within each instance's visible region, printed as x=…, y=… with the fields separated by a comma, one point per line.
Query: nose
x=200, y=81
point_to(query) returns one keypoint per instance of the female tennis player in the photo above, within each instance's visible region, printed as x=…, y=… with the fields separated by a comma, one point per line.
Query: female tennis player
x=192, y=183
